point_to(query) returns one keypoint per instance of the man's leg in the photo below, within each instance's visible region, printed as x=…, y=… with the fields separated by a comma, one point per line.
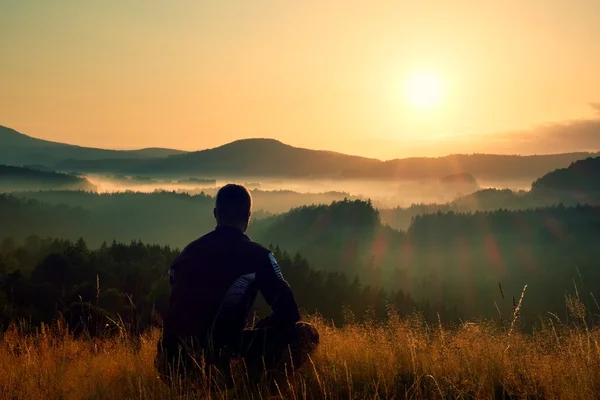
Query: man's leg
x=274, y=348
x=172, y=361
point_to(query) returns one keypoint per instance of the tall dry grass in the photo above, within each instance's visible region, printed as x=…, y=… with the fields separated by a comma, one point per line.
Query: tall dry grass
x=403, y=358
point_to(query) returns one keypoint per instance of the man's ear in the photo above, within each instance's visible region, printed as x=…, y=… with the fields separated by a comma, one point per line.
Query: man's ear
x=215, y=212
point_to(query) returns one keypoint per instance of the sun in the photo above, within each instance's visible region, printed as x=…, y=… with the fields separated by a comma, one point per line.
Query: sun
x=424, y=90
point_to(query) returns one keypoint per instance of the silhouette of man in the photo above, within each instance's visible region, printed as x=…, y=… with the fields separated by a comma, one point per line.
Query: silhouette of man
x=214, y=283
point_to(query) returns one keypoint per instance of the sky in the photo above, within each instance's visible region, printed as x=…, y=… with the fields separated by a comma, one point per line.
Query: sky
x=511, y=77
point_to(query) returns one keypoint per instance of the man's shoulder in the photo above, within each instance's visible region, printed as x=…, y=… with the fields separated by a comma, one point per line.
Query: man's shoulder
x=208, y=241
x=267, y=259
x=192, y=249
x=200, y=242
x=257, y=248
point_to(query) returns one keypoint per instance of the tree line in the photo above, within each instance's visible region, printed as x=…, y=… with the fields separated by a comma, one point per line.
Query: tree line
x=42, y=280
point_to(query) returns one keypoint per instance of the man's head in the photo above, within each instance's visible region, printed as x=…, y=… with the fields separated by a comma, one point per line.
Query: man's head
x=233, y=206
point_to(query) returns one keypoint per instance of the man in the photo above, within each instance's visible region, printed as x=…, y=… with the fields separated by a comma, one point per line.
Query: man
x=214, y=283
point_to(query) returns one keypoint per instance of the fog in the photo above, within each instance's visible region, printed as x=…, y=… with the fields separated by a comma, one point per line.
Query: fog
x=383, y=193
x=107, y=184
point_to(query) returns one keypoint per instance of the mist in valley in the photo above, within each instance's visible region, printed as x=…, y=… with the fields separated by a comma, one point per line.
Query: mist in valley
x=283, y=194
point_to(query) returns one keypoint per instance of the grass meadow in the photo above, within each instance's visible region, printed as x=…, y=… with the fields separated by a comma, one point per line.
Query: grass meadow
x=403, y=358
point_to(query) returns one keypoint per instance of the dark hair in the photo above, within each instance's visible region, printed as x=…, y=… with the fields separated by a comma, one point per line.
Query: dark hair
x=233, y=204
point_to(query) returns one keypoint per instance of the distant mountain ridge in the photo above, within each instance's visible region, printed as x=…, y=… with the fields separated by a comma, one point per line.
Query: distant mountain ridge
x=19, y=149
x=246, y=157
x=270, y=158
x=481, y=166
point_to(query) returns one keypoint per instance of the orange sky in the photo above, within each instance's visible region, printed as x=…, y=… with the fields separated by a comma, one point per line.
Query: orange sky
x=328, y=75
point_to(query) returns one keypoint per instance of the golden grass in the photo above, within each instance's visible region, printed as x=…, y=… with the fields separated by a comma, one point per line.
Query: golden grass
x=403, y=358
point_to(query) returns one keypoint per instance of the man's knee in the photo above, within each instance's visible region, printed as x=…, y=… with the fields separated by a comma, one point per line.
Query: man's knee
x=306, y=335
x=302, y=342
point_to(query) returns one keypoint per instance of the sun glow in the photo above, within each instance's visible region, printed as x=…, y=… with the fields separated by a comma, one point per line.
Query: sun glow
x=424, y=90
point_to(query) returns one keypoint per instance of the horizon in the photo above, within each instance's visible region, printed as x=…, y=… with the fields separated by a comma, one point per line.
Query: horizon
x=390, y=81
x=305, y=148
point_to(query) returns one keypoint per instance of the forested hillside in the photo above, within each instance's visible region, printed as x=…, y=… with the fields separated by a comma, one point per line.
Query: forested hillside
x=463, y=257
x=21, y=178
x=581, y=177
x=345, y=236
x=161, y=218
x=453, y=258
x=444, y=258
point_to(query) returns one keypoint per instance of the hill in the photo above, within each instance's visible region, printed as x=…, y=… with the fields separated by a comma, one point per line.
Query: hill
x=341, y=236
x=20, y=178
x=242, y=158
x=582, y=176
x=19, y=149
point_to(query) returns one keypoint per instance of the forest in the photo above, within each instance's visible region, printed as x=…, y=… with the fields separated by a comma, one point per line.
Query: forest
x=42, y=280
x=445, y=259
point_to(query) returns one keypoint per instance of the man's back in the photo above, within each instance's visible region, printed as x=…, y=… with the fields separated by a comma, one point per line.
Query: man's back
x=214, y=283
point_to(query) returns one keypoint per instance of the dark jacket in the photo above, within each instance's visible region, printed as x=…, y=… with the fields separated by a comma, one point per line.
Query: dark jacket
x=214, y=283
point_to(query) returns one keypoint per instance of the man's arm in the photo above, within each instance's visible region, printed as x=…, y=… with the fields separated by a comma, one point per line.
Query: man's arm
x=277, y=293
